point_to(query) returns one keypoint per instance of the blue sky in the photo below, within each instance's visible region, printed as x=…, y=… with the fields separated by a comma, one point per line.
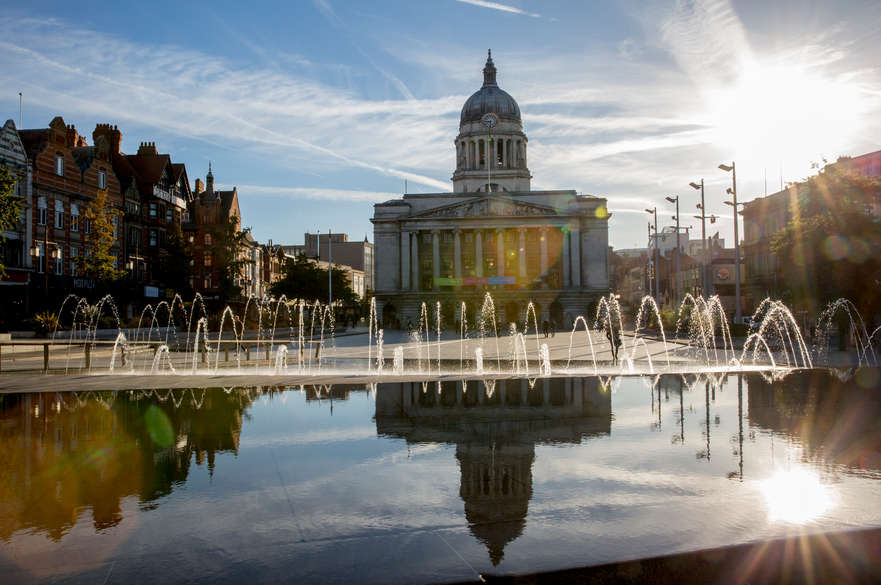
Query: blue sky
x=316, y=110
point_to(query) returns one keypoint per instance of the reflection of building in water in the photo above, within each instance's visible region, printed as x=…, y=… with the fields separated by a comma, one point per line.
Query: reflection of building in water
x=64, y=453
x=495, y=429
x=836, y=421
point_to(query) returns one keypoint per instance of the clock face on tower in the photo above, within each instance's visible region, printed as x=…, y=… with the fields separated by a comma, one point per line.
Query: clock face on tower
x=489, y=120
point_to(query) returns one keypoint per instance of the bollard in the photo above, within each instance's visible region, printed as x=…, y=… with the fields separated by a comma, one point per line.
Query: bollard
x=204, y=350
x=317, y=349
x=46, y=357
x=247, y=353
x=88, y=350
x=226, y=352
x=1, y=358
x=124, y=355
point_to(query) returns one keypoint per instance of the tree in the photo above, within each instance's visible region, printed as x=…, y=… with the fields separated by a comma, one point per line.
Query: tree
x=831, y=247
x=304, y=279
x=10, y=205
x=227, y=253
x=99, y=261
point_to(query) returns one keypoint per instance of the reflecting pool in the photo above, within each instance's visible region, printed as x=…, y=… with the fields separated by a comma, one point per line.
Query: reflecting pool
x=427, y=482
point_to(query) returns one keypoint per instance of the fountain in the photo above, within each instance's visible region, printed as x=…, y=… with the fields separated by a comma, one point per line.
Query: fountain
x=176, y=337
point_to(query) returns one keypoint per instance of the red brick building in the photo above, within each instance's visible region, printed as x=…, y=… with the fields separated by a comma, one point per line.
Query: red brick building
x=67, y=174
x=209, y=211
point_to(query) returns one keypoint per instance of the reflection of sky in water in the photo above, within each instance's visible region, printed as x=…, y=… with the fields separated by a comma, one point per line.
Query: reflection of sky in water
x=396, y=487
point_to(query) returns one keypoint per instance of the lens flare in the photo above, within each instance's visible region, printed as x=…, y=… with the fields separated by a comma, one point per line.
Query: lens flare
x=796, y=496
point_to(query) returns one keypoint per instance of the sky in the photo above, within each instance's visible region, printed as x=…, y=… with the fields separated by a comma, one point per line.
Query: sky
x=318, y=109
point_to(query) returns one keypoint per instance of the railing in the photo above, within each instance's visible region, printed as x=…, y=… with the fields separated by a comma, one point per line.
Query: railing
x=127, y=349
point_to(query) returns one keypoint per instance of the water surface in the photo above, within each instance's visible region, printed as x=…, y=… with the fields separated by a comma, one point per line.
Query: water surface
x=411, y=482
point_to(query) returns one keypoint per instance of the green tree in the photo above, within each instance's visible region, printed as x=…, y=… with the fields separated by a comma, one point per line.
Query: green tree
x=831, y=247
x=99, y=260
x=304, y=279
x=229, y=243
x=10, y=205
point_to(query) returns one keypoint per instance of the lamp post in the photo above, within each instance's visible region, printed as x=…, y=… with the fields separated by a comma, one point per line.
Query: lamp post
x=733, y=192
x=35, y=253
x=654, y=211
x=710, y=287
x=703, y=216
x=675, y=200
x=489, y=120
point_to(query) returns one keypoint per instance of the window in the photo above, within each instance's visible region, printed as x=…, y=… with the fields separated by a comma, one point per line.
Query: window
x=154, y=209
x=74, y=217
x=191, y=239
x=186, y=216
x=208, y=260
x=154, y=237
x=59, y=262
x=88, y=226
x=102, y=179
x=207, y=239
x=115, y=222
x=59, y=214
x=43, y=211
x=59, y=165
x=74, y=254
x=168, y=215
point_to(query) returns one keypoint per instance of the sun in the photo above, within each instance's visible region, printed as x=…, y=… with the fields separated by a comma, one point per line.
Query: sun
x=780, y=112
x=796, y=496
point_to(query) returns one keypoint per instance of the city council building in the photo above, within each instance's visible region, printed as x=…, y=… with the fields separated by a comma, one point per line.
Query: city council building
x=492, y=233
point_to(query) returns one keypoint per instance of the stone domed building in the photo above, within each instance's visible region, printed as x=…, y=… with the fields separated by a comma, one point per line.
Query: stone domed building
x=492, y=233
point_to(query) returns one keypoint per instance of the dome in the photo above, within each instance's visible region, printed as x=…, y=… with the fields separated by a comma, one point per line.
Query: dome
x=490, y=98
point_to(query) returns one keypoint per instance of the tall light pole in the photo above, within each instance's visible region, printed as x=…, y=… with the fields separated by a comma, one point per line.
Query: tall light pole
x=489, y=120
x=329, y=269
x=703, y=218
x=675, y=200
x=709, y=249
x=733, y=192
x=654, y=211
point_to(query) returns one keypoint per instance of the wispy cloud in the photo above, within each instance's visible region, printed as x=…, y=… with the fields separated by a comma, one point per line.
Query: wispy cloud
x=499, y=6
x=315, y=193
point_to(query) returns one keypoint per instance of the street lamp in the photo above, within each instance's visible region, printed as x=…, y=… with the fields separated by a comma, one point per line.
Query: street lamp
x=654, y=211
x=733, y=192
x=55, y=254
x=675, y=200
x=702, y=217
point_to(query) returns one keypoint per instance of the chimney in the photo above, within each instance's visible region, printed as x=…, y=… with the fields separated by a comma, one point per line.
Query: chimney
x=72, y=137
x=147, y=149
x=200, y=186
x=111, y=134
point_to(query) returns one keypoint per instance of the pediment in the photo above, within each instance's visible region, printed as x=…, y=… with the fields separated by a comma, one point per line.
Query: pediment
x=487, y=207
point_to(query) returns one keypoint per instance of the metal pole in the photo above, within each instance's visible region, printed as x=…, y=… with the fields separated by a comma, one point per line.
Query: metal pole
x=19, y=111
x=648, y=273
x=329, y=269
x=678, y=274
x=657, y=259
x=737, y=314
x=705, y=290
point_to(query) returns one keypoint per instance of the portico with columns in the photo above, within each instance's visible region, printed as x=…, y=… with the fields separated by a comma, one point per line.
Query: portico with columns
x=492, y=233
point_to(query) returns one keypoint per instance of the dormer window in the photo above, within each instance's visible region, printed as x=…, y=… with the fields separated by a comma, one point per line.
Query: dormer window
x=59, y=165
x=102, y=179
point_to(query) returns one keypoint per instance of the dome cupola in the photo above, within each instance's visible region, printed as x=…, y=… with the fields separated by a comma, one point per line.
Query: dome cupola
x=490, y=98
x=491, y=159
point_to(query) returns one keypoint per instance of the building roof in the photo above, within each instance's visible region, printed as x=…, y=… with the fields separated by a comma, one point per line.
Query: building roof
x=34, y=141
x=490, y=99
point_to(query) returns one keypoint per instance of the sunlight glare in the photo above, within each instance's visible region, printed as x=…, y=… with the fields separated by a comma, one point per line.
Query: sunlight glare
x=796, y=496
x=786, y=113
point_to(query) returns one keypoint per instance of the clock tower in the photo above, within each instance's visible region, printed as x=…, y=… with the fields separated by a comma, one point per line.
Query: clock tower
x=491, y=145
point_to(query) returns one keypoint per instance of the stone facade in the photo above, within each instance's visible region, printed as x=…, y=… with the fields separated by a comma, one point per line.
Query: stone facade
x=492, y=234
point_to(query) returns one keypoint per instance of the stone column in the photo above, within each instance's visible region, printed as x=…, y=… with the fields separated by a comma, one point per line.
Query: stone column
x=478, y=251
x=522, y=252
x=565, y=260
x=575, y=253
x=405, y=261
x=415, y=282
x=543, y=238
x=435, y=250
x=500, y=251
x=457, y=252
